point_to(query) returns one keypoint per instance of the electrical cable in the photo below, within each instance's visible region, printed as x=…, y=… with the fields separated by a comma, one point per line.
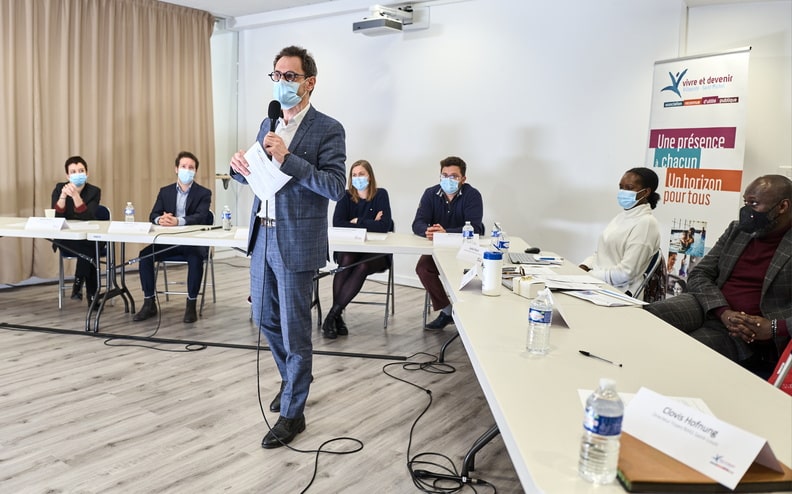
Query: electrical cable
x=447, y=479
x=357, y=444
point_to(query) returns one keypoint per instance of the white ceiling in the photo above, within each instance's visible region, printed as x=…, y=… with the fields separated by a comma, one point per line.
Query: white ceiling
x=239, y=8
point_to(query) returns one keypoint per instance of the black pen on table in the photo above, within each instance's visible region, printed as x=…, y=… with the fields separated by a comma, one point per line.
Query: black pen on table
x=589, y=354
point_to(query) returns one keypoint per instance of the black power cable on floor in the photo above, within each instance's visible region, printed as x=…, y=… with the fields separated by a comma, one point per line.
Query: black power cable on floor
x=443, y=478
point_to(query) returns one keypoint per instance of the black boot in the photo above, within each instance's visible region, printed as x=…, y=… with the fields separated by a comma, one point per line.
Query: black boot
x=77, y=288
x=149, y=309
x=329, y=325
x=190, y=315
x=341, y=327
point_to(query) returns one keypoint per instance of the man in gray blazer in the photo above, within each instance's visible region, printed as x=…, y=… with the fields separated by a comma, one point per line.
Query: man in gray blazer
x=288, y=232
x=739, y=298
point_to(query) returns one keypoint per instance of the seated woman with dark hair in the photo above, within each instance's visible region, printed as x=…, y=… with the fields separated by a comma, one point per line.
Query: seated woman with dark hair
x=363, y=206
x=630, y=240
x=76, y=199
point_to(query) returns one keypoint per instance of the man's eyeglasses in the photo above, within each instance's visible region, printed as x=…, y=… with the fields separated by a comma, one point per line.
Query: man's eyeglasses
x=452, y=177
x=286, y=76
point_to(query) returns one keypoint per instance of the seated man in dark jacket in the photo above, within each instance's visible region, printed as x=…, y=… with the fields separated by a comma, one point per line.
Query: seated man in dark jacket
x=182, y=203
x=739, y=298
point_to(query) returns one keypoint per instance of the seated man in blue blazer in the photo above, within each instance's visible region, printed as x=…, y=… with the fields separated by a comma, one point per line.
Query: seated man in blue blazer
x=182, y=203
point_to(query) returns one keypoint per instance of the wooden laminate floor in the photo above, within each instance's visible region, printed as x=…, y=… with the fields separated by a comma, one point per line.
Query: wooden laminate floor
x=82, y=414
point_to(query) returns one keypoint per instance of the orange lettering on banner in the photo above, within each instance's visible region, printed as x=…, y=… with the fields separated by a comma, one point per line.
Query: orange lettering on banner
x=704, y=179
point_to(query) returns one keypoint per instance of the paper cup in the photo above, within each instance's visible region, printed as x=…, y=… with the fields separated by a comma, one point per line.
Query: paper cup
x=49, y=213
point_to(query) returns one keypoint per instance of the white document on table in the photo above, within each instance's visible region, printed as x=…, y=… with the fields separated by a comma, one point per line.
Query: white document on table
x=605, y=297
x=265, y=176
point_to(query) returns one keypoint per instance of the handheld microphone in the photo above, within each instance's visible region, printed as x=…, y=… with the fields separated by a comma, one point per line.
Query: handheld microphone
x=274, y=113
x=216, y=227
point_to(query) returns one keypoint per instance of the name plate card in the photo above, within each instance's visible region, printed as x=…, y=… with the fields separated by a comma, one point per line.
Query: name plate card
x=347, y=234
x=471, y=273
x=472, y=252
x=447, y=240
x=710, y=446
x=129, y=227
x=50, y=224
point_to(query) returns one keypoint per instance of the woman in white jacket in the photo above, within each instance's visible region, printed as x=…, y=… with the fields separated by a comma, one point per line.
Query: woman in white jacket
x=630, y=240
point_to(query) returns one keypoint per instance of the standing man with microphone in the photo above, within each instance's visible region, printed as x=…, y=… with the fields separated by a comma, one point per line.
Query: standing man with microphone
x=288, y=232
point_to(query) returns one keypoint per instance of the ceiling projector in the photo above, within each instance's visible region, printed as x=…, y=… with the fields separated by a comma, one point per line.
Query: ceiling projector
x=376, y=26
x=383, y=20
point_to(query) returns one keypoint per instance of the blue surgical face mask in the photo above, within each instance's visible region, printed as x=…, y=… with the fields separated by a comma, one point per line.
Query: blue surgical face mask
x=360, y=183
x=186, y=176
x=78, y=179
x=449, y=185
x=286, y=93
x=627, y=198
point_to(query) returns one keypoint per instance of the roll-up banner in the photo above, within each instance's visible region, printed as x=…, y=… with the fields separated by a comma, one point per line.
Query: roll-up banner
x=697, y=147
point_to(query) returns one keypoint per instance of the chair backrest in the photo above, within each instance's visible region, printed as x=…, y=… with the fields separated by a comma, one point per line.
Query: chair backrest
x=102, y=213
x=653, y=282
x=211, y=218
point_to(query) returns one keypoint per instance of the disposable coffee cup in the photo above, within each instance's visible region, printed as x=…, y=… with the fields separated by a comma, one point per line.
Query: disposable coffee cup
x=49, y=213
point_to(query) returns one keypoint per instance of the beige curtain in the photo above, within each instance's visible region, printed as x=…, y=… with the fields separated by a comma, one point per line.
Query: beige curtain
x=126, y=84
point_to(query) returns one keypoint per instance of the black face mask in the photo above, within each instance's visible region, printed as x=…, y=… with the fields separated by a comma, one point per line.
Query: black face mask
x=756, y=223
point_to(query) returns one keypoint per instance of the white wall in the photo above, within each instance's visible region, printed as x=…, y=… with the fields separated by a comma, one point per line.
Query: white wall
x=767, y=28
x=548, y=103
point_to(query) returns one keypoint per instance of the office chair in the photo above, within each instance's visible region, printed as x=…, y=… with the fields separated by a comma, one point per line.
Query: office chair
x=178, y=260
x=102, y=213
x=653, y=276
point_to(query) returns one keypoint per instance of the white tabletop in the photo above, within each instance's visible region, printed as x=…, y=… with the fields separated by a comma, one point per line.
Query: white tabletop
x=392, y=243
x=197, y=235
x=15, y=227
x=535, y=400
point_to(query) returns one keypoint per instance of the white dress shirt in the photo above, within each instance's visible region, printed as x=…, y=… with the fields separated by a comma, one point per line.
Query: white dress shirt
x=286, y=132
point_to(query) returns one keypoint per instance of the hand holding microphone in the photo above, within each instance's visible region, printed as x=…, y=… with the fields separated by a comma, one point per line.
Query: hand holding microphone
x=238, y=162
x=273, y=144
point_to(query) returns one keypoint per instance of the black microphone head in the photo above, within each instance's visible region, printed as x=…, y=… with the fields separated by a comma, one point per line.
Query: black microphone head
x=274, y=112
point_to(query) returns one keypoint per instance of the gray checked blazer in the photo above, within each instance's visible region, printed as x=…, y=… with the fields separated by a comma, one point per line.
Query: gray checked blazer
x=711, y=273
x=317, y=167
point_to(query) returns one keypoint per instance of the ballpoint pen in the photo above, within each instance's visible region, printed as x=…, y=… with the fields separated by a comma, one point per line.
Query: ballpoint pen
x=589, y=354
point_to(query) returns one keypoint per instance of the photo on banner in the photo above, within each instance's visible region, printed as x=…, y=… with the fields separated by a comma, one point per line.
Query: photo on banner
x=697, y=147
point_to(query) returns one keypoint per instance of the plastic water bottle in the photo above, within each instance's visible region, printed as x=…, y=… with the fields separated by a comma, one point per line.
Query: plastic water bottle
x=540, y=316
x=491, y=274
x=599, y=446
x=495, y=236
x=226, y=218
x=467, y=233
x=129, y=213
x=503, y=242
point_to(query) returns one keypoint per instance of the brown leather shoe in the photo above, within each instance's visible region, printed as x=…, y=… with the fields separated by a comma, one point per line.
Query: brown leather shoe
x=283, y=432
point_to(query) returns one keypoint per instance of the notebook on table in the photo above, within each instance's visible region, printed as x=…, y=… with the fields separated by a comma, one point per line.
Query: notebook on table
x=643, y=468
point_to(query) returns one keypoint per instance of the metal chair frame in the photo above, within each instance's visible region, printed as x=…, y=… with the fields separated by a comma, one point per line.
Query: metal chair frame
x=102, y=214
x=208, y=270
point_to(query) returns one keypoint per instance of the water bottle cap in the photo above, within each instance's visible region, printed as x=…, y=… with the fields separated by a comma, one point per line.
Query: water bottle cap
x=607, y=383
x=493, y=255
